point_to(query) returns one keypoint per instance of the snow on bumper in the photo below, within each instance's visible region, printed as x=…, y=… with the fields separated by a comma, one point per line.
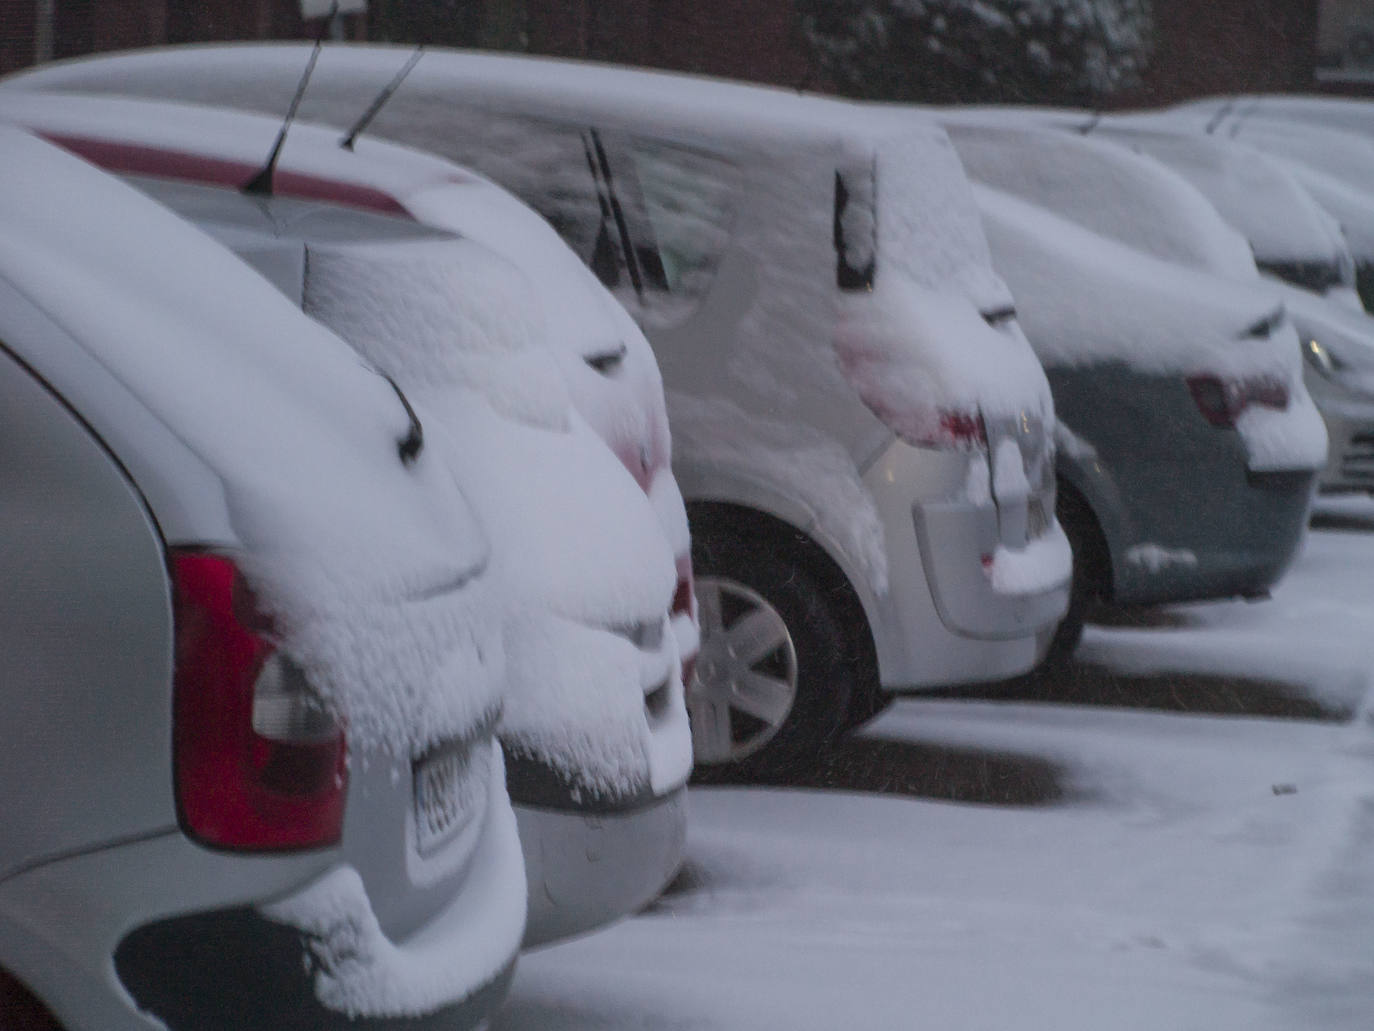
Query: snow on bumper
x=359, y=972
x=1284, y=440
x=1044, y=564
x=1017, y=591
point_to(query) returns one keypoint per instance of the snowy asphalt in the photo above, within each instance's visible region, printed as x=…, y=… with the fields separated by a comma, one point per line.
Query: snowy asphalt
x=1176, y=835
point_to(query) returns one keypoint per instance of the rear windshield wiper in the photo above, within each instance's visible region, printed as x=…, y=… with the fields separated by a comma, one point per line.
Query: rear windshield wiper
x=998, y=316
x=409, y=446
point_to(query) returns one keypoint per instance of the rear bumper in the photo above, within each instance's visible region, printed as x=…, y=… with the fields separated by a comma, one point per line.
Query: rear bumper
x=161, y=933
x=590, y=862
x=1232, y=539
x=940, y=621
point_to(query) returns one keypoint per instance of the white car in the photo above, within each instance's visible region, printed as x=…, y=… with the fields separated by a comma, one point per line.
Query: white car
x=591, y=549
x=251, y=654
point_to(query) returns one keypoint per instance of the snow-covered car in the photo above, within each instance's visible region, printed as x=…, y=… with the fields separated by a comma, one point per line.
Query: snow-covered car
x=1333, y=165
x=1188, y=446
x=860, y=429
x=1293, y=244
x=251, y=663
x=595, y=730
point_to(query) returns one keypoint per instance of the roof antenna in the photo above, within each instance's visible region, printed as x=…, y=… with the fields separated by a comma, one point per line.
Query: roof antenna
x=261, y=183
x=376, y=106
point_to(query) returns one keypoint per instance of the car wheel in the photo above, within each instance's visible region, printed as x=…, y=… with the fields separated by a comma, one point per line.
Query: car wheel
x=1090, y=572
x=774, y=677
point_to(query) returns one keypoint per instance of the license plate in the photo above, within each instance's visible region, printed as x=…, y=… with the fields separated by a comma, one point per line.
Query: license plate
x=447, y=790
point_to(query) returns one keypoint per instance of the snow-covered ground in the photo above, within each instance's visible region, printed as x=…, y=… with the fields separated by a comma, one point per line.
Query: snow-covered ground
x=1131, y=847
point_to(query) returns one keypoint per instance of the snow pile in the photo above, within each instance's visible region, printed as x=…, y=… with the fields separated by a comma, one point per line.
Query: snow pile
x=1114, y=194
x=576, y=686
x=624, y=404
x=372, y=570
x=1155, y=557
x=441, y=314
x=360, y=972
x=1044, y=563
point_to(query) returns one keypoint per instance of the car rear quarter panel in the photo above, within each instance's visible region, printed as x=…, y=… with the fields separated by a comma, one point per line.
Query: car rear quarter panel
x=85, y=636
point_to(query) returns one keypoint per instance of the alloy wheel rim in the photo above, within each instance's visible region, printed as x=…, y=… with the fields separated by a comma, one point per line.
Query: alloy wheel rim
x=745, y=684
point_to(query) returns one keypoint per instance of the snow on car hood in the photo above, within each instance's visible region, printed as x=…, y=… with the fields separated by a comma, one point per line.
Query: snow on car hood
x=1084, y=300
x=372, y=570
x=577, y=542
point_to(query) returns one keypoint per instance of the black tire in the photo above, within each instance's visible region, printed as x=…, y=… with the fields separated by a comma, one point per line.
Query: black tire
x=1091, y=576
x=747, y=564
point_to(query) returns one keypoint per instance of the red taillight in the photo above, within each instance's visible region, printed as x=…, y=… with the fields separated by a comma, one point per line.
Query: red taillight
x=962, y=429
x=259, y=762
x=1221, y=402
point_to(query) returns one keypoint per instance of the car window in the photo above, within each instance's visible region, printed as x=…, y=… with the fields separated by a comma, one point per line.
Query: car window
x=690, y=199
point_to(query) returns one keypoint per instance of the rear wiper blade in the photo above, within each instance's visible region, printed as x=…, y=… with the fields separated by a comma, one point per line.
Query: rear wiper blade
x=409, y=446
x=996, y=316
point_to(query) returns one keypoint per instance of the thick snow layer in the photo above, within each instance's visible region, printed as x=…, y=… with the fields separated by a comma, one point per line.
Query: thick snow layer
x=440, y=315
x=625, y=404
x=805, y=464
x=786, y=144
x=1258, y=195
x=496, y=402
x=1107, y=190
x=1200, y=872
x=371, y=570
x=360, y=972
x=1043, y=564
x=1277, y=440
x=1083, y=298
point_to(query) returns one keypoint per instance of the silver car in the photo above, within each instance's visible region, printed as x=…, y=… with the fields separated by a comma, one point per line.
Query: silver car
x=238, y=589
x=594, y=727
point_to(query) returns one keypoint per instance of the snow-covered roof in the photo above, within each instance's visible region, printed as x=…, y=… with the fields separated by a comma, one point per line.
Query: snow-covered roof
x=361, y=559
x=556, y=86
x=1103, y=188
x=1086, y=300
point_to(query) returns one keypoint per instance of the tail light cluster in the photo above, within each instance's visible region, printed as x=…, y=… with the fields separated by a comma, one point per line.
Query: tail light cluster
x=961, y=430
x=259, y=760
x=1221, y=402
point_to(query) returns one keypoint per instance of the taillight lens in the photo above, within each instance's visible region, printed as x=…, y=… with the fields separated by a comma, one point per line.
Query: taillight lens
x=1221, y=402
x=259, y=759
